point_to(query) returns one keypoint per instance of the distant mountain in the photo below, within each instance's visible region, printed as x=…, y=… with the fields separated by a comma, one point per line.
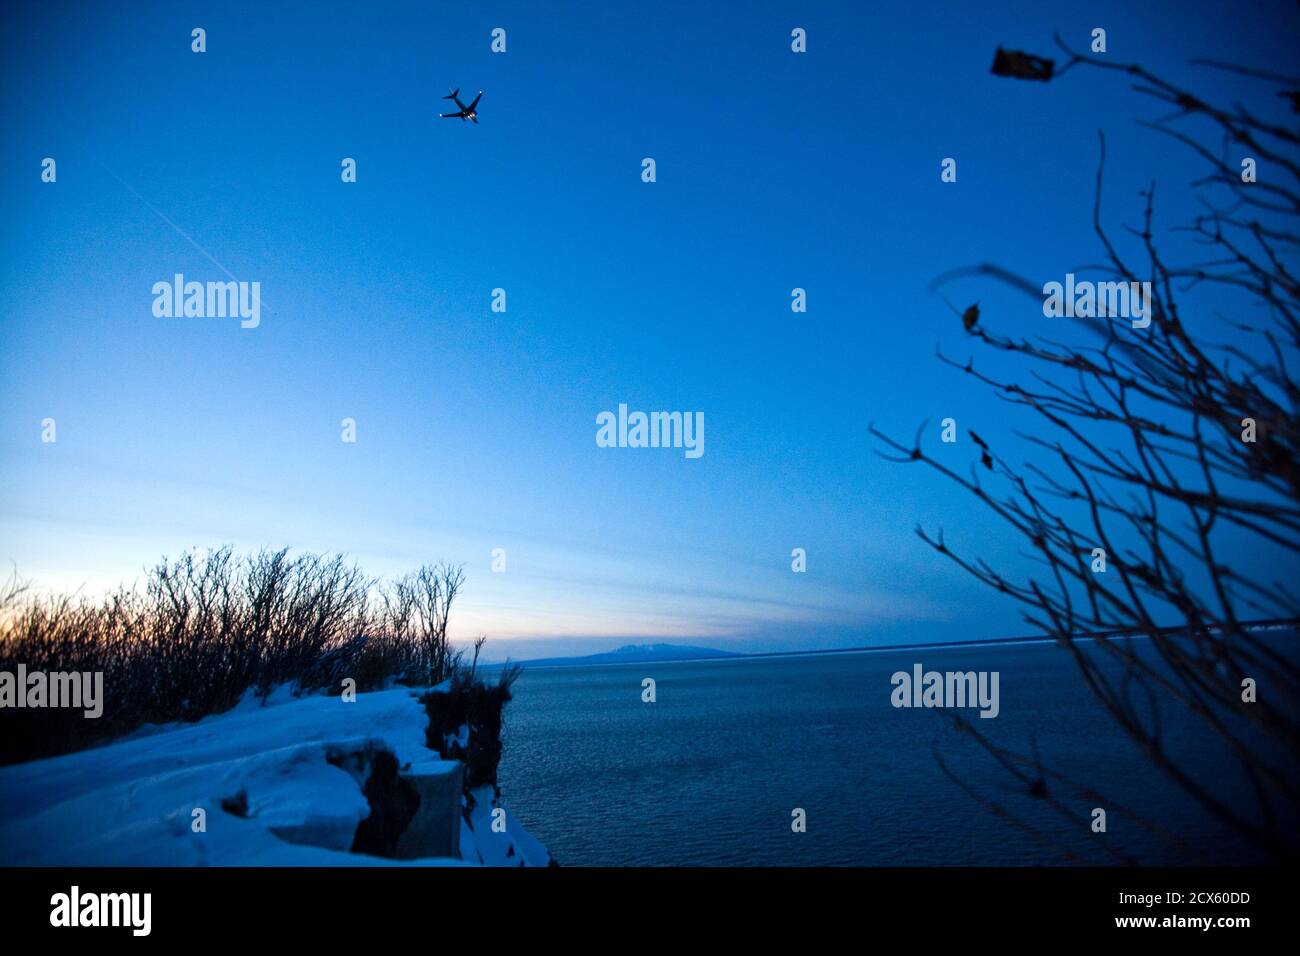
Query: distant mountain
x=635, y=654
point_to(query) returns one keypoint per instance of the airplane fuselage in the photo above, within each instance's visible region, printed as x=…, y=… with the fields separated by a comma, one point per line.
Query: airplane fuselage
x=463, y=112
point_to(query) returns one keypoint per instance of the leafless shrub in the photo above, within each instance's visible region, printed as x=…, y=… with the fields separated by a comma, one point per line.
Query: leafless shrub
x=1141, y=439
x=208, y=627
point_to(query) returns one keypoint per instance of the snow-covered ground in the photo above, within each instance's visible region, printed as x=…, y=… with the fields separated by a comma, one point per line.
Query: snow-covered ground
x=134, y=802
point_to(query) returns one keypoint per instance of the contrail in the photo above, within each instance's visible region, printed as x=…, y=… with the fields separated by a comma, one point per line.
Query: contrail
x=179, y=231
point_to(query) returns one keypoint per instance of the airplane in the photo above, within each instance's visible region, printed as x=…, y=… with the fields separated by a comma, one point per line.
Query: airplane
x=466, y=112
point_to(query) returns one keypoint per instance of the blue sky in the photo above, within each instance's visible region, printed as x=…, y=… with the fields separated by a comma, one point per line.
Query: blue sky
x=476, y=429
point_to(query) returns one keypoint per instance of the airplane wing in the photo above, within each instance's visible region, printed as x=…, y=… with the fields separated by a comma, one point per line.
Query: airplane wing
x=450, y=115
x=471, y=106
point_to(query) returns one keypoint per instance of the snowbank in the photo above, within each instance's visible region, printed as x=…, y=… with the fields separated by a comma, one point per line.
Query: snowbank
x=282, y=784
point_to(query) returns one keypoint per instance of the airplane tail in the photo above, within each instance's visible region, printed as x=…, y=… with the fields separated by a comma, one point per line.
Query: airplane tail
x=454, y=93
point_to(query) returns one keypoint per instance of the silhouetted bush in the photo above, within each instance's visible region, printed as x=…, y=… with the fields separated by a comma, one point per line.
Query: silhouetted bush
x=475, y=705
x=208, y=627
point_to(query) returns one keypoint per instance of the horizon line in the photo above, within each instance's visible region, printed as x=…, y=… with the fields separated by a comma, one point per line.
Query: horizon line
x=914, y=645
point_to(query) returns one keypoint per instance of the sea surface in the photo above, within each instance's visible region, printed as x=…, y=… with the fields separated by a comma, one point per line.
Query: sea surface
x=713, y=771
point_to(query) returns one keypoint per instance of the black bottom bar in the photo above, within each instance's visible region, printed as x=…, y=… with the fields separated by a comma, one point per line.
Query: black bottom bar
x=493, y=907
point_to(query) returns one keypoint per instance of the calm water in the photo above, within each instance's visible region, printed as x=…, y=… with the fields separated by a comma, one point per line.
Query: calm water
x=710, y=773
